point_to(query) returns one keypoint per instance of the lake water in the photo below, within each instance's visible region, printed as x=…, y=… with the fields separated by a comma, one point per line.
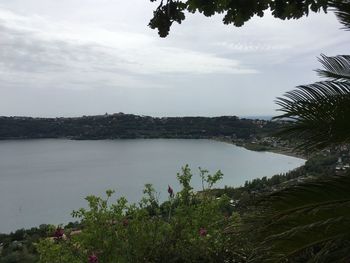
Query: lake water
x=42, y=181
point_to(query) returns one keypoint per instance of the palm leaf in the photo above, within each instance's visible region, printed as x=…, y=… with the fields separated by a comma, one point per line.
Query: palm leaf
x=312, y=216
x=342, y=11
x=310, y=222
x=336, y=68
x=319, y=114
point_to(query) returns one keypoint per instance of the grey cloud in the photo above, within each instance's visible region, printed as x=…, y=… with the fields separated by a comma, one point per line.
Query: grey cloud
x=28, y=60
x=59, y=59
x=33, y=56
x=23, y=51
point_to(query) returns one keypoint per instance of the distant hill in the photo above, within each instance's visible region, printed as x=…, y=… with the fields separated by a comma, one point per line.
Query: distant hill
x=120, y=125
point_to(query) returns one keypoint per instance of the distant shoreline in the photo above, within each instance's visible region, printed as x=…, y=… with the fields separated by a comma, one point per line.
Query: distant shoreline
x=285, y=151
x=247, y=146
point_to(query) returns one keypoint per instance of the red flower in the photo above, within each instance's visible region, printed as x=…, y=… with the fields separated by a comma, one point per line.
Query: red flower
x=58, y=234
x=93, y=258
x=170, y=191
x=125, y=222
x=203, y=232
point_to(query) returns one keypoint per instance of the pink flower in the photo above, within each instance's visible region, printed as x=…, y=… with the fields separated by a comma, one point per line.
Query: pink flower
x=170, y=191
x=93, y=258
x=58, y=234
x=203, y=232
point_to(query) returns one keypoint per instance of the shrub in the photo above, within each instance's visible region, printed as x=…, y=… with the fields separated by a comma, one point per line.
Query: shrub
x=188, y=227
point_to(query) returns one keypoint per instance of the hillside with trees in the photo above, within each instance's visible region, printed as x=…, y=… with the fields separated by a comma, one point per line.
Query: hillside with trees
x=129, y=126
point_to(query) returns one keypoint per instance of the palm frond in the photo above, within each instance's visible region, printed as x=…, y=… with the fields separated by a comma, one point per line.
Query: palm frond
x=312, y=220
x=319, y=114
x=336, y=68
x=308, y=191
x=342, y=11
x=312, y=216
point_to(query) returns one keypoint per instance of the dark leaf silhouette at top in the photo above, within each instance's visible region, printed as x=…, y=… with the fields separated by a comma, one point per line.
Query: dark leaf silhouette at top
x=342, y=11
x=235, y=12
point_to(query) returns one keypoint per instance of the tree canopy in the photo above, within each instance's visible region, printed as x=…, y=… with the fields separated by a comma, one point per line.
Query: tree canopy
x=235, y=12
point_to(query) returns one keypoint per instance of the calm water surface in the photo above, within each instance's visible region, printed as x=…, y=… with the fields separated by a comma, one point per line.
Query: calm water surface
x=42, y=181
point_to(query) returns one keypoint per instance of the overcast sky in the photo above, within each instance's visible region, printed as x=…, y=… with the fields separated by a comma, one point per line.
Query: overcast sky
x=83, y=57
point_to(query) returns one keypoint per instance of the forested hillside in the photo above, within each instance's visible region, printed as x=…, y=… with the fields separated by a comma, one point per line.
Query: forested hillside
x=130, y=126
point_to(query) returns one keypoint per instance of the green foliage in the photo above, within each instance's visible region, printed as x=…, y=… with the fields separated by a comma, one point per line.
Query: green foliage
x=308, y=220
x=129, y=126
x=209, y=179
x=257, y=147
x=19, y=246
x=189, y=227
x=235, y=12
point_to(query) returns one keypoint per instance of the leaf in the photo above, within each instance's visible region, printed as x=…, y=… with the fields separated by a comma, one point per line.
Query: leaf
x=336, y=68
x=342, y=11
x=319, y=114
x=312, y=216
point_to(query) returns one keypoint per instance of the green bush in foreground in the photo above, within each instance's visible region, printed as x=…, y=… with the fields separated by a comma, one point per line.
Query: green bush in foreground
x=188, y=227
